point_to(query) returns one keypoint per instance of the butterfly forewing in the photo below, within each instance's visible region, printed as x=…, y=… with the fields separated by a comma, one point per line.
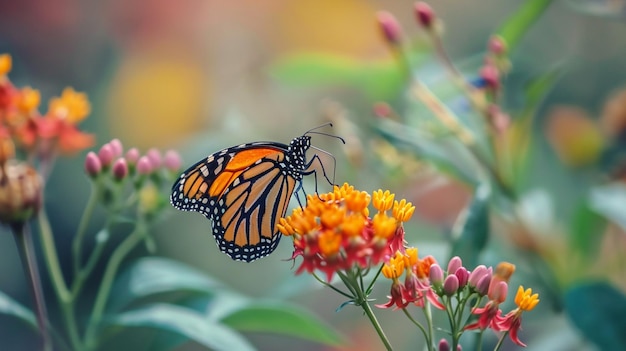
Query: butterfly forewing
x=244, y=190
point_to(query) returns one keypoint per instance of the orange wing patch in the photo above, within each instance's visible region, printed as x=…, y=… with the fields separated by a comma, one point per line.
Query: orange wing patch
x=235, y=167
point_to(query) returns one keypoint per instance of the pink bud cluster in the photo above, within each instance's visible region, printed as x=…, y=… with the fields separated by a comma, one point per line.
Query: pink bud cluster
x=111, y=157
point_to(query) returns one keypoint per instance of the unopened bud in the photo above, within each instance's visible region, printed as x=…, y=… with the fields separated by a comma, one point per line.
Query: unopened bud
x=451, y=285
x=172, y=160
x=120, y=169
x=390, y=27
x=424, y=14
x=106, y=154
x=93, y=166
x=144, y=166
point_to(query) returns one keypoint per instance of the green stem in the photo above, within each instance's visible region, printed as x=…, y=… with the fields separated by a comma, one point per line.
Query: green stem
x=332, y=287
x=429, y=322
x=107, y=283
x=370, y=314
x=419, y=325
x=77, y=243
x=51, y=257
x=499, y=344
x=371, y=284
x=66, y=299
x=24, y=240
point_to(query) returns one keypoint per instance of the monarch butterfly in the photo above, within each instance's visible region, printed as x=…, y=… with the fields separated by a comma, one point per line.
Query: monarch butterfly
x=244, y=190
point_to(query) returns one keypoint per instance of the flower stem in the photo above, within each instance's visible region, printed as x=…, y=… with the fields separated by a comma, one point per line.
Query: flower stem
x=107, y=282
x=77, y=243
x=24, y=241
x=499, y=344
x=66, y=299
x=370, y=314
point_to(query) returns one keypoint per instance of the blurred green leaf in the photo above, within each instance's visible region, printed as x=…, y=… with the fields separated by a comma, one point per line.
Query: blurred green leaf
x=446, y=153
x=598, y=310
x=518, y=24
x=380, y=80
x=610, y=201
x=587, y=229
x=184, y=322
x=472, y=229
x=283, y=319
x=155, y=275
x=13, y=308
x=514, y=146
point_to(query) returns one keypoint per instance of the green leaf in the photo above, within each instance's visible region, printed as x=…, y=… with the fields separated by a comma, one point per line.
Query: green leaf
x=472, y=228
x=446, y=153
x=283, y=319
x=587, y=229
x=184, y=322
x=156, y=275
x=598, y=310
x=380, y=80
x=13, y=308
x=518, y=24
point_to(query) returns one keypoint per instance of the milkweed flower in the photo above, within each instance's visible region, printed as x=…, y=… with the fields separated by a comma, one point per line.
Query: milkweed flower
x=335, y=231
x=490, y=316
x=512, y=322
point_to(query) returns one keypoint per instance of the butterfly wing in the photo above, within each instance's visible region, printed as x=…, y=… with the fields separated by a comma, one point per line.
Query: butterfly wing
x=244, y=190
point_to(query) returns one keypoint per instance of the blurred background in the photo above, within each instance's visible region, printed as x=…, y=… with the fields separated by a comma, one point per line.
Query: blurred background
x=202, y=75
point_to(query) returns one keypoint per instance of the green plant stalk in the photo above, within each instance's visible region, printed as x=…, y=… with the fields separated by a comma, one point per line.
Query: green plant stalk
x=106, y=284
x=351, y=280
x=501, y=341
x=370, y=314
x=24, y=241
x=429, y=322
x=408, y=315
x=77, y=243
x=518, y=24
x=66, y=299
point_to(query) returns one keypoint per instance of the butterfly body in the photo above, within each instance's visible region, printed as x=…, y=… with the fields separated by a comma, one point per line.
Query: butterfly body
x=244, y=190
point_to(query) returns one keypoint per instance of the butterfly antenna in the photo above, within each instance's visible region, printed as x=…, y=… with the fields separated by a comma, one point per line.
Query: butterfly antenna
x=330, y=124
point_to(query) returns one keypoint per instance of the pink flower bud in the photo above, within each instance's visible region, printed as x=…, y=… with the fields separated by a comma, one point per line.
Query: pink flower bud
x=120, y=169
x=443, y=345
x=132, y=156
x=451, y=285
x=117, y=147
x=382, y=110
x=154, y=156
x=490, y=75
x=106, y=155
x=482, y=288
x=144, y=166
x=172, y=160
x=389, y=26
x=93, y=166
x=497, y=45
x=476, y=275
x=424, y=14
x=454, y=264
x=435, y=275
x=463, y=276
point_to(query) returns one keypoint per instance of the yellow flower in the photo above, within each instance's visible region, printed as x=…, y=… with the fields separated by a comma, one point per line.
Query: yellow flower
x=382, y=201
x=29, y=100
x=5, y=64
x=72, y=106
x=525, y=299
x=403, y=210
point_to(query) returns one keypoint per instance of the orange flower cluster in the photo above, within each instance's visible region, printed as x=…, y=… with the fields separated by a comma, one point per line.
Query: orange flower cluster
x=335, y=231
x=45, y=135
